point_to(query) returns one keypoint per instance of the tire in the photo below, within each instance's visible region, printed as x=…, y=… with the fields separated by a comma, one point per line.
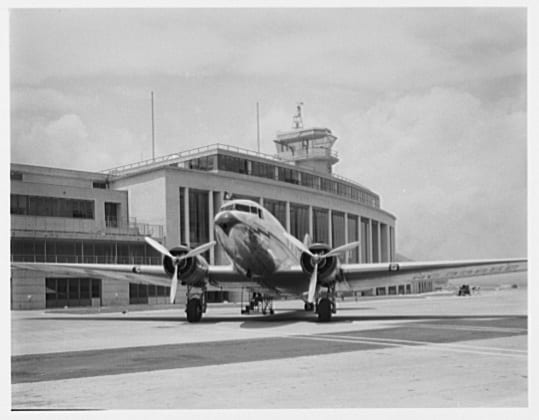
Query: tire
x=194, y=310
x=324, y=310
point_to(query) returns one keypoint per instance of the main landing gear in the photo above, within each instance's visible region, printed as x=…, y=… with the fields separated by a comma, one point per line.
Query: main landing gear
x=196, y=304
x=326, y=305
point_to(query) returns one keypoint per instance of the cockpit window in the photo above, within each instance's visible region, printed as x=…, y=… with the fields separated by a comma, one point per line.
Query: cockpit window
x=243, y=207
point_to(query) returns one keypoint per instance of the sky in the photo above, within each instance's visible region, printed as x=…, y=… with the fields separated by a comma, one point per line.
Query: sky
x=429, y=105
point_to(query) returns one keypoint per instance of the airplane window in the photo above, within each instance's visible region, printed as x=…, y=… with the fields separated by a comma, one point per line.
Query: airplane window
x=242, y=207
x=228, y=207
x=259, y=213
x=254, y=210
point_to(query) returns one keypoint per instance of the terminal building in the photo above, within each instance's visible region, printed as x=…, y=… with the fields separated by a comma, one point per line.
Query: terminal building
x=60, y=215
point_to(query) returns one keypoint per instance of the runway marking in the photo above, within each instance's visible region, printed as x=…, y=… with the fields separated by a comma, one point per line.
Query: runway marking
x=470, y=328
x=488, y=351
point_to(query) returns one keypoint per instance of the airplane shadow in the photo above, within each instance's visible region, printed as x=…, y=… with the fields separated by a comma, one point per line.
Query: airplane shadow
x=277, y=320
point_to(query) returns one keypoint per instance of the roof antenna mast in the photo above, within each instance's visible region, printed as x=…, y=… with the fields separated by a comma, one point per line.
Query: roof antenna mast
x=258, y=126
x=153, y=129
x=297, y=121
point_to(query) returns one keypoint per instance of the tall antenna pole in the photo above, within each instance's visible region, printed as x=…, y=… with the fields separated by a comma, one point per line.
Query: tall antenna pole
x=258, y=126
x=153, y=131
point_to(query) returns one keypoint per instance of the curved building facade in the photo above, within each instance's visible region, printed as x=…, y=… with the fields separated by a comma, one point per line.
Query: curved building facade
x=60, y=215
x=184, y=191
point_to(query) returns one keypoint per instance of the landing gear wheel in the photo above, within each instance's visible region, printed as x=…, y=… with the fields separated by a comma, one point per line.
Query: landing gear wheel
x=309, y=306
x=193, y=310
x=324, y=310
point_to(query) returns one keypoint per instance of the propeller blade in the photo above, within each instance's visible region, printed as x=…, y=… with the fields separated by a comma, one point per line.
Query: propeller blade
x=198, y=250
x=340, y=249
x=312, y=284
x=174, y=284
x=296, y=242
x=158, y=247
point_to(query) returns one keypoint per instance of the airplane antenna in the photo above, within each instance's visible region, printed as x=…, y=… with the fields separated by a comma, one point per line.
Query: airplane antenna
x=153, y=129
x=258, y=126
x=297, y=121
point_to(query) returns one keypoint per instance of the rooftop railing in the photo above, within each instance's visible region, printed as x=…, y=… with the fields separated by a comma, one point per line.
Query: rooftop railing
x=312, y=152
x=182, y=156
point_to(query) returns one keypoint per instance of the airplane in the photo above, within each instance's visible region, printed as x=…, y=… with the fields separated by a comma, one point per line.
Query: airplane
x=273, y=263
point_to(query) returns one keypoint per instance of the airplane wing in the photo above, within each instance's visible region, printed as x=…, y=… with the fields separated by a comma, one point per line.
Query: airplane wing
x=361, y=276
x=293, y=281
x=153, y=274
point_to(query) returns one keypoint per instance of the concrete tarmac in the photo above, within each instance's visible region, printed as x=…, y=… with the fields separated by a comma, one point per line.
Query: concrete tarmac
x=408, y=351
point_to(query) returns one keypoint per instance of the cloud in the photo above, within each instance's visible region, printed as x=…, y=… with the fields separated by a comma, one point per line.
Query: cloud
x=46, y=142
x=370, y=49
x=450, y=168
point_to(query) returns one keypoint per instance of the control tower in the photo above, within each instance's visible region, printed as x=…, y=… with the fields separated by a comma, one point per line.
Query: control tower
x=307, y=147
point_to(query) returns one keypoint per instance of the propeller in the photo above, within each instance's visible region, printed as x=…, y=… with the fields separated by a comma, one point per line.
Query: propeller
x=174, y=284
x=312, y=284
x=158, y=247
x=317, y=258
x=341, y=249
x=177, y=259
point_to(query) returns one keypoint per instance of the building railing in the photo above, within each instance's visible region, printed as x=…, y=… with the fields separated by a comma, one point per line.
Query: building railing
x=87, y=259
x=113, y=226
x=308, y=153
x=181, y=156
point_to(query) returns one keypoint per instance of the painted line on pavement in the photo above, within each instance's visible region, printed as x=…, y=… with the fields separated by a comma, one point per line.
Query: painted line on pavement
x=470, y=328
x=418, y=344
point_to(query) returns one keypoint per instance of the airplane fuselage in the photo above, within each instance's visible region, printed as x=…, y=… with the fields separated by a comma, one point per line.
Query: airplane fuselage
x=253, y=239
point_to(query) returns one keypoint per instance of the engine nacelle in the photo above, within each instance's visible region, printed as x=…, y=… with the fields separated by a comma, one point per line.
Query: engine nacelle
x=192, y=271
x=327, y=267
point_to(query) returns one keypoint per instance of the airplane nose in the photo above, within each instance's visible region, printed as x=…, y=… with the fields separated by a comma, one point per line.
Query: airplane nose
x=226, y=221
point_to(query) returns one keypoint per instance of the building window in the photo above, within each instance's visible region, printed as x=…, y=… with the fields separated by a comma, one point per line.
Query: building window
x=375, y=239
x=288, y=175
x=204, y=163
x=183, y=236
x=100, y=184
x=51, y=206
x=199, y=224
x=328, y=185
x=299, y=220
x=309, y=180
x=19, y=204
x=16, y=176
x=71, y=292
x=277, y=208
x=232, y=164
x=138, y=293
x=320, y=225
x=262, y=170
x=353, y=255
x=337, y=229
x=111, y=214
